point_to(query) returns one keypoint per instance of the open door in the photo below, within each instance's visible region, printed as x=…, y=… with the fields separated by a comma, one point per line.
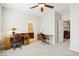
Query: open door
x=60, y=31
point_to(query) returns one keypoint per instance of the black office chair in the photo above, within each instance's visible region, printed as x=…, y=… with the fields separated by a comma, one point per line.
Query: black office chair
x=17, y=42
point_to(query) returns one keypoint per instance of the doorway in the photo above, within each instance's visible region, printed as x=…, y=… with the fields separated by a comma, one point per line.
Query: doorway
x=67, y=29
x=30, y=27
x=31, y=31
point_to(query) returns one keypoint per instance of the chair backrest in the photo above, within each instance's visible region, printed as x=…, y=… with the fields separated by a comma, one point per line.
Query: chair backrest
x=43, y=36
x=17, y=38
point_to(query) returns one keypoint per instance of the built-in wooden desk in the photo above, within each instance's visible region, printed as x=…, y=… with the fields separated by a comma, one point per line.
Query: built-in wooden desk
x=25, y=39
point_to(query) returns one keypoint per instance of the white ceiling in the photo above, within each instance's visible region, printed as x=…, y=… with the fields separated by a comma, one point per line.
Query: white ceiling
x=62, y=8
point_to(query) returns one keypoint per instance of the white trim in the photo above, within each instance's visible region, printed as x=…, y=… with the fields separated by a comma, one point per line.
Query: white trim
x=77, y=50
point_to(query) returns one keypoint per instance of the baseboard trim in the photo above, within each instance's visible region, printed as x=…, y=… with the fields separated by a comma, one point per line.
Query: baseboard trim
x=74, y=49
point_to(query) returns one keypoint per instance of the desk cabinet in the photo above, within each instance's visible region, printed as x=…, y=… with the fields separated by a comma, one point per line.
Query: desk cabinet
x=7, y=42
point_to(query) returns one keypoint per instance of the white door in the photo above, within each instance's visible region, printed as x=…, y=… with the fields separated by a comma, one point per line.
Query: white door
x=60, y=31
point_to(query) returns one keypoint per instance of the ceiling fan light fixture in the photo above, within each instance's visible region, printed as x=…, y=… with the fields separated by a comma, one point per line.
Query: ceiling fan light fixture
x=42, y=5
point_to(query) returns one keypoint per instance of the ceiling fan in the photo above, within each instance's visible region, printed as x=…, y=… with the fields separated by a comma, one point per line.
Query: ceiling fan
x=42, y=6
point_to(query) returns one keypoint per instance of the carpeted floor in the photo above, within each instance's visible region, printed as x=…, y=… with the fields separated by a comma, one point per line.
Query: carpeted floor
x=38, y=49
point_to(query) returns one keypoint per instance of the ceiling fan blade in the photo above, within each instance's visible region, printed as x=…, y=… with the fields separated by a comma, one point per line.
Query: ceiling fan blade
x=49, y=6
x=42, y=9
x=34, y=6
